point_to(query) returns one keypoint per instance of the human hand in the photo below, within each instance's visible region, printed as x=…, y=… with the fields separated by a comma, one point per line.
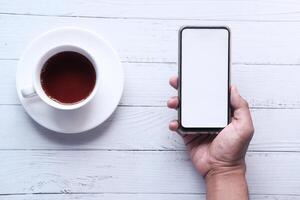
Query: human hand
x=224, y=152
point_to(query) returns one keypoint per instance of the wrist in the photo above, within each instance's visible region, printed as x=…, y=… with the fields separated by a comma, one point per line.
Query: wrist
x=227, y=182
x=221, y=170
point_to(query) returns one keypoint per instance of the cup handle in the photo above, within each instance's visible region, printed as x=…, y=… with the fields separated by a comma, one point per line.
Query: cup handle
x=28, y=91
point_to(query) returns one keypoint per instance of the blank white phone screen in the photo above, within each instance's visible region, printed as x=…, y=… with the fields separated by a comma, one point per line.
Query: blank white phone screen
x=204, y=78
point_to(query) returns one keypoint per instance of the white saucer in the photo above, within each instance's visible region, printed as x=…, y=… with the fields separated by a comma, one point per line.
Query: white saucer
x=99, y=108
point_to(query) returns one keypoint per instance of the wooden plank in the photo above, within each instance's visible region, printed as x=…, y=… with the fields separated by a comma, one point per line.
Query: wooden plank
x=140, y=40
x=107, y=197
x=134, y=172
x=34, y=171
x=141, y=128
x=8, y=94
x=189, y=9
x=133, y=196
x=146, y=84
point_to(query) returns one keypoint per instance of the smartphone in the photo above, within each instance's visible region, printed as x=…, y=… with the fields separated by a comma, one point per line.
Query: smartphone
x=204, y=78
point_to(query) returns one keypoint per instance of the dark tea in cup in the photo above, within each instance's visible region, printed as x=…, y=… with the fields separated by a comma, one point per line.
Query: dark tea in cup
x=68, y=77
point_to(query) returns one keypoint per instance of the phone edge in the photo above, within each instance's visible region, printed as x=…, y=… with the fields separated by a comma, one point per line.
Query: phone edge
x=201, y=130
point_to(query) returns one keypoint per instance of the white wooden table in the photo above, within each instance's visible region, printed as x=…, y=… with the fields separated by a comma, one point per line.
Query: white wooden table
x=133, y=155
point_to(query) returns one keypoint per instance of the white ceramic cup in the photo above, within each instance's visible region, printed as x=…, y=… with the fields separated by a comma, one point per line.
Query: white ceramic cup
x=35, y=89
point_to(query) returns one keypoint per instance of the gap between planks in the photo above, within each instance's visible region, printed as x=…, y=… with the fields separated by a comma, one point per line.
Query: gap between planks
x=126, y=193
x=173, y=63
x=140, y=196
x=141, y=150
x=143, y=18
x=162, y=106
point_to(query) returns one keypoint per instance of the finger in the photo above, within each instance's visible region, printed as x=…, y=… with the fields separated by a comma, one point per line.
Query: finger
x=189, y=138
x=174, y=82
x=173, y=102
x=192, y=139
x=239, y=105
x=196, y=140
x=173, y=126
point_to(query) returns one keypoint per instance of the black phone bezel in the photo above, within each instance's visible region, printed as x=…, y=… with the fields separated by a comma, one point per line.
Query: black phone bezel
x=199, y=129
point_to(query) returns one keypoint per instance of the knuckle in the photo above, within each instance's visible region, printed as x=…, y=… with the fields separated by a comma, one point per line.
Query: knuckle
x=247, y=129
x=250, y=129
x=245, y=103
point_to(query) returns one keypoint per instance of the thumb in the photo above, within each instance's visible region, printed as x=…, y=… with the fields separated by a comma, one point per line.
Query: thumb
x=239, y=105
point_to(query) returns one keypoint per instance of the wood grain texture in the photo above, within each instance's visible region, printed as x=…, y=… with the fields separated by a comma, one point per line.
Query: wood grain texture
x=121, y=196
x=133, y=155
x=141, y=128
x=146, y=84
x=134, y=172
x=176, y=9
x=139, y=40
